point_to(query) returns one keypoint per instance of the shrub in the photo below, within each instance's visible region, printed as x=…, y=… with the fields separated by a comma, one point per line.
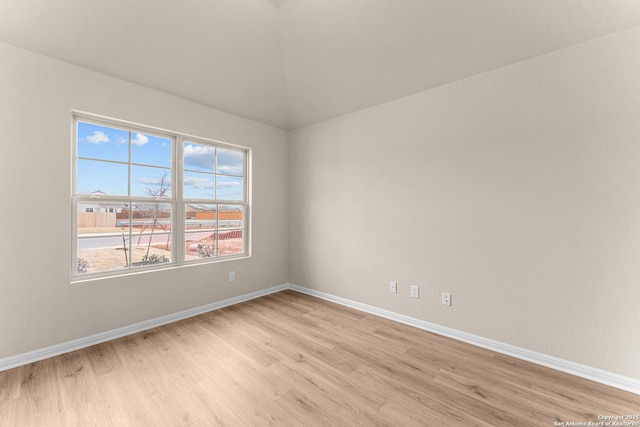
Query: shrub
x=154, y=259
x=206, y=251
x=83, y=265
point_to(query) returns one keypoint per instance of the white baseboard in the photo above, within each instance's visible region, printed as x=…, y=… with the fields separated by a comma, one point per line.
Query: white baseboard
x=598, y=375
x=66, y=347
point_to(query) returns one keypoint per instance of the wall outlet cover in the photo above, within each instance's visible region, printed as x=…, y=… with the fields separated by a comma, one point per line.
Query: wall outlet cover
x=446, y=298
x=393, y=287
x=415, y=291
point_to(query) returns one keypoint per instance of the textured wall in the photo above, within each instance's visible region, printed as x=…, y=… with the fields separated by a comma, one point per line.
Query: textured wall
x=38, y=305
x=517, y=190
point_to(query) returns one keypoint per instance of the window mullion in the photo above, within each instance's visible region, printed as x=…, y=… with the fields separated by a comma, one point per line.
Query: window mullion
x=180, y=217
x=130, y=246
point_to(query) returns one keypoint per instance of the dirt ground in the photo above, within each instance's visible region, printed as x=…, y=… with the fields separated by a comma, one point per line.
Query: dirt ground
x=112, y=259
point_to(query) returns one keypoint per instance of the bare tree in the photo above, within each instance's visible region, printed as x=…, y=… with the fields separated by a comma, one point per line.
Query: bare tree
x=158, y=189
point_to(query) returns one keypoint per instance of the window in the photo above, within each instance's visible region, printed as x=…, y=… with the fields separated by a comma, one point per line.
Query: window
x=145, y=198
x=213, y=174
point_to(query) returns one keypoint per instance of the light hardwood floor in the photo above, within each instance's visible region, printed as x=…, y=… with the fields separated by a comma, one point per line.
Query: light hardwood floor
x=289, y=359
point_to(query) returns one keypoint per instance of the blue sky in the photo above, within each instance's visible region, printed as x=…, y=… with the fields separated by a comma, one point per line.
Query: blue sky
x=104, y=153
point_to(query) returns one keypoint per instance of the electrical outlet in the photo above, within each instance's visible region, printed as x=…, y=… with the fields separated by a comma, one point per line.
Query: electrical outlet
x=446, y=298
x=415, y=291
x=393, y=287
x=232, y=276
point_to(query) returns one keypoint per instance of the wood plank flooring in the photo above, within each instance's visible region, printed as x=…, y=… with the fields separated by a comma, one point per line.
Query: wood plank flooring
x=289, y=359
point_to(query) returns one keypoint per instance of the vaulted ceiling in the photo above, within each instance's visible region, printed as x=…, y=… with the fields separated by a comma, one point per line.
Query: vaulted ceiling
x=290, y=63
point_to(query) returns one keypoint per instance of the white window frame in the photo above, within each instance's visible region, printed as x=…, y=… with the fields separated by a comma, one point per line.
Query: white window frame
x=176, y=200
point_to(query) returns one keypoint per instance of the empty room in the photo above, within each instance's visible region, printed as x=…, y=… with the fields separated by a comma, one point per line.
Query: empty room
x=320, y=213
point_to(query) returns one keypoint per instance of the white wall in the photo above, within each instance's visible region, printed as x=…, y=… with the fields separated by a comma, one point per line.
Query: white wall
x=38, y=305
x=517, y=190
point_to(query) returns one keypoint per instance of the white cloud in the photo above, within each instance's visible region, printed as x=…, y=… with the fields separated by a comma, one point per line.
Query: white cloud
x=199, y=183
x=230, y=162
x=230, y=170
x=98, y=137
x=139, y=139
x=199, y=156
x=155, y=181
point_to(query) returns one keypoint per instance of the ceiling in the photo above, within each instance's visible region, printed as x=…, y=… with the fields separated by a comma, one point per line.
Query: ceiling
x=290, y=63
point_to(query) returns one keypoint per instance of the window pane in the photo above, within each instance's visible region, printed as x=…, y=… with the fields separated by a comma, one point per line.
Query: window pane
x=230, y=242
x=231, y=217
x=199, y=157
x=229, y=188
x=200, y=216
x=230, y=162
x=102, y=142
x=104, y=177
x=153, y=182
x=150, y=150
x=102, y=219
x=200, y=227
x=151, y=216
x=199, y=186
x=143, y=254
x=201, y=244
x=96, y=254
x=150, y=234
x=230, y=230
x=103, y=237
